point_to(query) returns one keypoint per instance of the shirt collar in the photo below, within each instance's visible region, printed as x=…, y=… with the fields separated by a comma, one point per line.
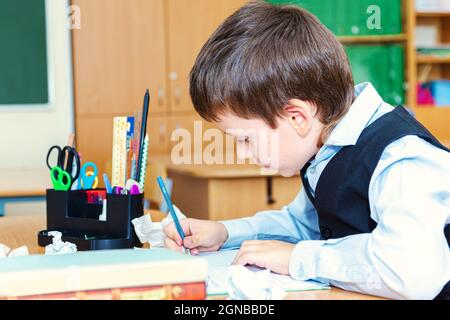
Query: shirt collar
x=349, y=128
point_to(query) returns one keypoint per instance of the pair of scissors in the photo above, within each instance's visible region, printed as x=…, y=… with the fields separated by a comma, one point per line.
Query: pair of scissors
x=88, y=178
x=61, y=172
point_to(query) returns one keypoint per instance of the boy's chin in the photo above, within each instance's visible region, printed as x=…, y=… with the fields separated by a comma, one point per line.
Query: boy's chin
x=287, y=172
x=284, y=172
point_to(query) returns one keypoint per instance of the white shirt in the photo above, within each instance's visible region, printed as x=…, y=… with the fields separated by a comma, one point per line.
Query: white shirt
x=407, y=255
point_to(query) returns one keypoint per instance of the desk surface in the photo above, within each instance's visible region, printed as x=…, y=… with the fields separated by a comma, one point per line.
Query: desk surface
x=24, y=182
x=20, y=230
x=235, y=170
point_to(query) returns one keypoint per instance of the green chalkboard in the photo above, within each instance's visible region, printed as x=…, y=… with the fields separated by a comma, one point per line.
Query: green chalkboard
x=23, y=52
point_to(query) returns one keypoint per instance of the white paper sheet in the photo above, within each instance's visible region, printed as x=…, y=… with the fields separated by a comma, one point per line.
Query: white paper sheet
x=218, y=275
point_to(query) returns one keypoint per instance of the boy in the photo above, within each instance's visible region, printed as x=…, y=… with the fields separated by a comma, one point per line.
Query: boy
x=376, y=184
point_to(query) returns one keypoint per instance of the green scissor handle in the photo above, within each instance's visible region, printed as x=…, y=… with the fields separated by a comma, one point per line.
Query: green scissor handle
x=61, y=179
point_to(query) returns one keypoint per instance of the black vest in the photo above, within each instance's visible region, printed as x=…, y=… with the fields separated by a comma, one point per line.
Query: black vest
x=342, y=192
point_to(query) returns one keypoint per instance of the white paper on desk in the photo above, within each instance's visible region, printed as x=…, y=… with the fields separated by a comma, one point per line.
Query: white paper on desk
x=5, y=251
x=218, y=275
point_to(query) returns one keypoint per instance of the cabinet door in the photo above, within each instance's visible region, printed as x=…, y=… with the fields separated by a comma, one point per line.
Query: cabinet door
x=158, y=132
x=192, y=129
x=94, y=141
x=189, y=25
x=118, y=52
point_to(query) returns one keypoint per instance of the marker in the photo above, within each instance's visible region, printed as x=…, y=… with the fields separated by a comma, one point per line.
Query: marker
x=171, y=209
x=107, y=183
x=132, y=186
x=118, y=190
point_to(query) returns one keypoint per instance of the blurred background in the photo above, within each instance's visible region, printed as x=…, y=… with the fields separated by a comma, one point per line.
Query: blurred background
x=71, y=66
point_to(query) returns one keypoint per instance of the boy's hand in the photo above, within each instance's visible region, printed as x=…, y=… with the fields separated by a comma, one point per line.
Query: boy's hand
x=200, y=235
x=271, y=254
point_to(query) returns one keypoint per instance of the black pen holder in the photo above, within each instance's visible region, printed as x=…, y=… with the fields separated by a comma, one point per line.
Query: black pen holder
x=77, y=218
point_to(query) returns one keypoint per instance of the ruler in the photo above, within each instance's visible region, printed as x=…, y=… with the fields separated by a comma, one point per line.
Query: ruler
x=119, y=152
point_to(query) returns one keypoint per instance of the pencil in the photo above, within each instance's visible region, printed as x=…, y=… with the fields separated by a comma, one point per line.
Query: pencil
x=143, y=131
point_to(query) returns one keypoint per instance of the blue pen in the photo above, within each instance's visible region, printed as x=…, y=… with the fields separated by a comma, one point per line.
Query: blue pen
x=107, y=183
x=171, y=209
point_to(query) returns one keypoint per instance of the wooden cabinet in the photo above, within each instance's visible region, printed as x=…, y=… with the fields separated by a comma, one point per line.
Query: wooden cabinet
x=118, y=53
x=189, y=24
x=159, y=134
x=94, y=140
x=124, y=47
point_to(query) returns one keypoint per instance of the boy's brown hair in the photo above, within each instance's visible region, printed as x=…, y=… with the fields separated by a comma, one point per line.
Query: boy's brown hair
x=262, y=56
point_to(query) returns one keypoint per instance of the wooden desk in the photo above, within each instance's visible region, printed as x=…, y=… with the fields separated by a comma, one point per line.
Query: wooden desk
x=332, y=294
x=17, y=231
x=329, y=294
x=23, y=184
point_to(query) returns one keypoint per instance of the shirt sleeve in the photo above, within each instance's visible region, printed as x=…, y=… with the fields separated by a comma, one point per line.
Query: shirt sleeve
x=294, y=222
x=407, y=255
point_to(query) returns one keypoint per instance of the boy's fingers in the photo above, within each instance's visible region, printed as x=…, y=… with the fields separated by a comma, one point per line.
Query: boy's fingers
x=185, y=225
x=192, y=241
x=244, y=258
x=172, y=233
x=169, y=243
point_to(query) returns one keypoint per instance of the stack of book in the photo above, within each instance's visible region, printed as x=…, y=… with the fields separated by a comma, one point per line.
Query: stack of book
x=105, y=274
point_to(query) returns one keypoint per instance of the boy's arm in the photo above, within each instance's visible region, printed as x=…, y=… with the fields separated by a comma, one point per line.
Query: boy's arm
x=406, y=256
x=294, y=222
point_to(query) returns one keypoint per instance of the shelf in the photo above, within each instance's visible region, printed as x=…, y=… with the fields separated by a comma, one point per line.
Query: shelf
x=433, y=14
x=373, y=39
x=432, y=107
x=431, y=59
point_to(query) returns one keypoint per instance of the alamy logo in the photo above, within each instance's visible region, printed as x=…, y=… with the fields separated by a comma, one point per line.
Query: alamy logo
x=74, y=19
x=374, y=20
x=213, y=147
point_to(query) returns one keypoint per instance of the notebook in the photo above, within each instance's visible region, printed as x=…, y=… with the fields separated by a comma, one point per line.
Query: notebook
x=220, y=261
x=94, y=270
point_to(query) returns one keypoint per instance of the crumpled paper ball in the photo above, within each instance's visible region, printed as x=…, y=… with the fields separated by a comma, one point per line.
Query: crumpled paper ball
x=58, y=246
x=152, y=232
x=244, y=284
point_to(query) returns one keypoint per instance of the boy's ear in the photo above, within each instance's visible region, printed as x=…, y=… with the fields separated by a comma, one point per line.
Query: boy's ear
x=300, y=116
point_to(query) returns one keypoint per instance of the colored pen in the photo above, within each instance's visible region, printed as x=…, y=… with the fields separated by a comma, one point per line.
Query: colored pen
x=118, y=190
x=171, y=209
x=107, y=183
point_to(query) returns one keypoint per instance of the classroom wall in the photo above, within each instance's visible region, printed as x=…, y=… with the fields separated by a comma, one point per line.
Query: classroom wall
x=26, y=133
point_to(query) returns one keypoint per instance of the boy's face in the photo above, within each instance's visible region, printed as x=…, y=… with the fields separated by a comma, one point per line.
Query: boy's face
x=285, y=149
